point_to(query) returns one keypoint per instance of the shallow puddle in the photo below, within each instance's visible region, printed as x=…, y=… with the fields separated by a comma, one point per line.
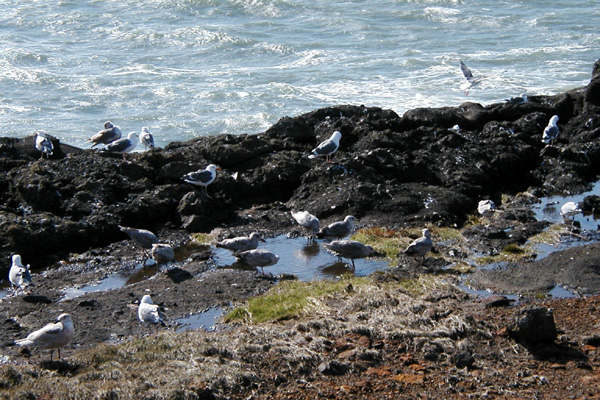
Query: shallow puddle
x=307, y=261
x=205, y=320
x=109, y=283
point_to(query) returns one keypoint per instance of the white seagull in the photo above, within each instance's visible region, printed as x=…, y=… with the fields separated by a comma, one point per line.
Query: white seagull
x=19, y=275
x=52, y=336
x=110, y=133
x=242, y=243
x=522, y=99
x=471, y=80
x=327, y=147
x=420, y=246
x=258, y=258
x=551, y=131
x=146, y=138
x=202, y=177
x=338, y=229
x=486, y=208
x=570, y=209
x=43, y=144
x=308, y=221
x=349, y=249
x=122, y=146
x=150, y=313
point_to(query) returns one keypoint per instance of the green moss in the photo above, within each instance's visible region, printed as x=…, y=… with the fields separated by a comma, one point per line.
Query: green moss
x=203, y=237
x=291, y=299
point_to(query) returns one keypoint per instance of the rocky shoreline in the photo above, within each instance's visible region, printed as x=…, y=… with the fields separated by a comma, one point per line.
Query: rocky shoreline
x=429, y=167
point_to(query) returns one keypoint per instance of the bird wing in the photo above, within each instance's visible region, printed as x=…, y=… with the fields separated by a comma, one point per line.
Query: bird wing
x=203, y=176
x=466, y=71
x=326, y=147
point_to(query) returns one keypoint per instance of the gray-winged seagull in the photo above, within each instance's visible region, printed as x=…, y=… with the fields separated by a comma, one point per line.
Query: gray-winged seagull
x=471, y=80
x=19, y=275
x=143, y=237
x=327, y=147
x=522, y=99
x=52, y=336
x=163, y=253
x=241, y=243
x=43, y=144
x=339, y=229
x=122, y=146
x=258, y=258
x=202, y=177
x=551, y=131
x=349, y=249
x=420, y=246
x=110, y=133
x=146, y=138
x=308, y=221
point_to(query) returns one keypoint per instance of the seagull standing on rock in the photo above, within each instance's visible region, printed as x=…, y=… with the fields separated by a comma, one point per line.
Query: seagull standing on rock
x=308, y=221
x=327, y=147
x=551, y=131
x=517, y=100
x=242, y=243
x=420, y=246
x=339, y=229
x=110, y=133
x=146, y=138
x=202, y=177
x=43, y=144
x=122, y=146
x=351, y=249
x=487, y=208
x=52, y=336
x=19, y=275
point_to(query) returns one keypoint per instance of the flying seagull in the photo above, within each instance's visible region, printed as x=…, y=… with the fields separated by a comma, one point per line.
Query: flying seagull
x=308, y=221
x=122, y=146
x=202, y=177
x=471, y=80
x=327, y=147
x=146, y=138
x=242, y=243
x=110, y=133
x=257, y=258
x=52, y=336
x=349, y=249
x=19, y=275
x=421, y=246
x=338, y=229
x=43, y=144
x=551, y=131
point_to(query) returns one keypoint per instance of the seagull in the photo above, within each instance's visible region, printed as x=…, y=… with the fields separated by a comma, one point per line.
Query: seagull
x=338, y=229
x=242, y=243
x=486, y=208
x=471, y=81
x=551, y=131
x=19, y=275
x=522, y=99
x=110, y=133
x=570, y=209
x=308, y=221
x=122, y=146
x=43, y=144
x=150, y=313
x=327, y=147
x=420, y=246
x=202, y=177
x=162, y=253
x=349, y=249
x=52, y=336
x=257, y=258
x=146, y=138
x=142, y=237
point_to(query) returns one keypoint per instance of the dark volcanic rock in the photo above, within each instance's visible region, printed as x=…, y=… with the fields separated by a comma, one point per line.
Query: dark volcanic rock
x=390, y=170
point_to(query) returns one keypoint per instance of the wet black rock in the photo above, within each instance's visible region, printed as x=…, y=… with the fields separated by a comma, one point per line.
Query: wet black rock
x=534, y=326
x=390, y=170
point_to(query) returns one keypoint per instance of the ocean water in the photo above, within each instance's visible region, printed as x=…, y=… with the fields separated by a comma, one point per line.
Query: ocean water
x=187, y=68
